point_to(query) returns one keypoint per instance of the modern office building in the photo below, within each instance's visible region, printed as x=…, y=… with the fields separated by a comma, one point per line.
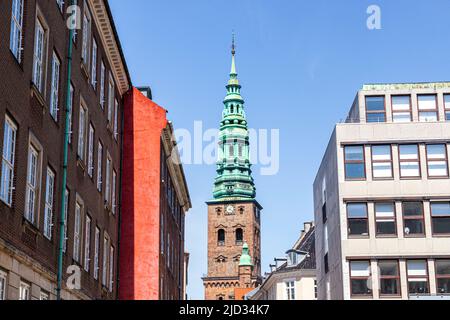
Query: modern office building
x=292, y=277
x=33, y=92
x=155, y=199
x=382, y=197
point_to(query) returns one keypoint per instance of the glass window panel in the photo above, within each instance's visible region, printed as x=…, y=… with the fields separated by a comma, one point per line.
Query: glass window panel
x=441, y=225
x=427, y=102
x=385, y=211
x=410, y=169
x=443, y=286
x=409, y=152
x=360, y=287
x=381, y=153
x=382, y=170
x=358, y=227
x=388, y=268
x=418, y=286
x=375, y=103
x=357, y=210
x=389, y=286
x=402, y=117
x=437, y=169
x=417, y=268
x=360, y=269
x=436, y=151
x=401, y=103
x=440, y=209
x=414, y=226
x=376, y=117
x=447, y=116
x=355, y=153
x=412, y=209
x=429, y=116
x=447, y=101
x=355, y=171
x=443, y=267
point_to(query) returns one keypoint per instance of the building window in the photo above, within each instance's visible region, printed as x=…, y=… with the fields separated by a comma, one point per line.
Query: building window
x=108, y=180
x=116, y=119
x=94, y=64
x=77, y=233
x=44, y=296
x=316, y=295
x=354, y=159
x=82, y=133
x=239, y=236
x=91, y=151
x=24, y=291
x=49, y=200
x=442, y=276
x=111, y=268
x=66, y=217
x=413, y=218
x=417, y=277
x=382, y=162
x=409, y=161
x=2, y=285
x=358, y=224
x=32, y=184
x=440, y=215
x=113, y=192
x=96, y=252
x=401, y=109
x=385, y=219
x=86, y=35
x=427, y=105
x=290, y=290
x=105, y=261
x=389, y=278
x=15, y=42
x=54, y=93
x=70, y=116
x=447, y=106
x=87, y=244
x=102, y=85
x=110, y=98
x=221, y=237
x=376, y=109
x=99, y=166
x=39, y=56
x=437, y=163
x=360, y=276
x=8, y=161
x=326, y=263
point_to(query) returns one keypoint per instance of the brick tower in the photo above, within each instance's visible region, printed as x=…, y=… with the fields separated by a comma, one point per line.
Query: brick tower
x=234, y=213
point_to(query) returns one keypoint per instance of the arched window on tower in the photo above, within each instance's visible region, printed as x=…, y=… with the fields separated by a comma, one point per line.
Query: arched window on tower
x=221, y=237
x=240, y=150
x=239, y=236
x=232, y=109
x=231, y=150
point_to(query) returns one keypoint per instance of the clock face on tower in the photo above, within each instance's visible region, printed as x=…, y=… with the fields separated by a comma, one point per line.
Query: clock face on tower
x=230, y=209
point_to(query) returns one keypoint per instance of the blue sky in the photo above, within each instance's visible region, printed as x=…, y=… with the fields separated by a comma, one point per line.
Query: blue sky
x=300, y=64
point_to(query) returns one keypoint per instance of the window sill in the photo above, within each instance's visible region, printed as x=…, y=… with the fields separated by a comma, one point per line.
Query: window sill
x=84, y=69
x=438, y=177
x=417, y=236
x=442, y=235
x=353, y=180
x=37, y=94
x=358, y=237
x=387, y=236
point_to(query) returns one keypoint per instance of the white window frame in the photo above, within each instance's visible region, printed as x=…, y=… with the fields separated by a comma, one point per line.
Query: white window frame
x=3, y=285
x=90, y=163
x=24, y=291
x=96, y=252
x=105, y=267
x=49, y=203
x=99, y=166
x=39, y=55
x=87, y=243
x=111, y=268
x=113, y=192
x=32, y=189
x=290, y=289
x=94, y=64
x=380, y=161
x=8, y=161
x=102, y=85
x=111, y=98
x=77, y=233
x=116, y=119
x=437, y=159
x=108, y=179
x=54, y=93
x=425, y=111
x=44, y=296
x=16, y=33
x=81, y=150
x=86, y=30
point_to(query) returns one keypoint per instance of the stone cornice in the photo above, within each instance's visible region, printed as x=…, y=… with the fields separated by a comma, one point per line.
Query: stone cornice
x=405, y=86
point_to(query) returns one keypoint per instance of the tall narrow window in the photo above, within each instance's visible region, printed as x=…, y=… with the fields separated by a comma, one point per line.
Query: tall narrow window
x=87, y=244
x=239, y=236
x=44, y=296
x=417, y=277
x=401, y=109
x=24, y=291
x=385, y=219
x=77, y=233
x=38, y=59
x=111, y=268
x=32, y=184
x=221, y=237
x=375, y=109
x=86, y=35
x=290, y=290
x=105, y=261
x=389, y=278
x=358, y=224
x=355, y=168
x=99, y=166
x=102, y=85
x=409, y=161
x=82, y=133
x=49, y=200
x=54, y=95
x=447, y=106
x=70, y=111
x=8, y=161
x=15, y=41
x=110, y=98
x=91, y=151
x=437, y=163
x=231, y=150
x=2, y=285
x=359, y=278
x=382, y=162
x=116, y=117
x=96, y=252
x=113, y=192
x=440, y=216
x=413, y=218
x=66, y=217
x=94, y=64
x=108, y=180
x=427, y=105
x=442, y=276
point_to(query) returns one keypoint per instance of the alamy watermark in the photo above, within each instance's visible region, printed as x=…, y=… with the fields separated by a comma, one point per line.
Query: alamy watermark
x=374, y=19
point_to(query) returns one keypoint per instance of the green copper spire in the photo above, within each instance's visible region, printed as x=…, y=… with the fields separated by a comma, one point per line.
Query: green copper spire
x=246, y=260
x=234, y=175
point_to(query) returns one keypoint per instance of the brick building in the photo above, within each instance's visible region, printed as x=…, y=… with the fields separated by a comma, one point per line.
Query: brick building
x=33, y=93
x=155, y=201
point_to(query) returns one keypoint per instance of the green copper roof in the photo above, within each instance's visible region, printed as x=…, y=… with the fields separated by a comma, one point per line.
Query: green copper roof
x=246, y=260
x=234, y=175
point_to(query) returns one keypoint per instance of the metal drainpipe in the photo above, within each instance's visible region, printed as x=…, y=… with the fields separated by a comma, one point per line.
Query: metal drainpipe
x=64, y=175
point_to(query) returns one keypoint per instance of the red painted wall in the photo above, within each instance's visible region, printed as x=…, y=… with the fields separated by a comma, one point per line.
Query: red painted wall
x=139, y=242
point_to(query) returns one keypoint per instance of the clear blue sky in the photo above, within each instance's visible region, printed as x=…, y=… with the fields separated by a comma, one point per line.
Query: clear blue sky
x=300, y=64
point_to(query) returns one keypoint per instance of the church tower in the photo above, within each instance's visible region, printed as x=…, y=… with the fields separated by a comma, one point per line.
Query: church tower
x=234, y=213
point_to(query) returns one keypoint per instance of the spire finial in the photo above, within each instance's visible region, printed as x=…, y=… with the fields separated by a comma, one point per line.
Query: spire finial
x=233, y=45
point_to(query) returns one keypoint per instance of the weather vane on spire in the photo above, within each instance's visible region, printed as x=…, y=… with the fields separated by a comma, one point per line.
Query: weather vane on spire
x=233, y=45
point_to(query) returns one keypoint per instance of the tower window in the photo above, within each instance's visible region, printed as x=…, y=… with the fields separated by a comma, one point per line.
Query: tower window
x=232, y=109
x=231, y=150
x=221, y=237
x=239, y=236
